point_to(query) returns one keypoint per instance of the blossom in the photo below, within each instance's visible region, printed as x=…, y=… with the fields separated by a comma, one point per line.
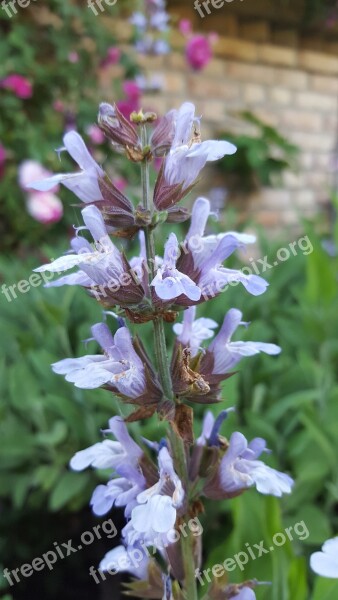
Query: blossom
x=325, y=563
x=123, y=457
x=95, y=134
x=226, y=353
x=98, y=264
x=156, y=511
x=198, y=51
x=31, y=170
x=130, y=559
x=188, y=156
x=44, y=207
x=210, y=251
x=83, y=184
x=119, y=367
x=240, y=469
x=18, y=84
x=245, y=594
x=112, y=57
x=192, y=332
x=169, y=283
x=3, y=156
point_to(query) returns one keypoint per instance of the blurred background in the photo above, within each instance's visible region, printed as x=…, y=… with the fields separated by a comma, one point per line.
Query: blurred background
x=265, y=76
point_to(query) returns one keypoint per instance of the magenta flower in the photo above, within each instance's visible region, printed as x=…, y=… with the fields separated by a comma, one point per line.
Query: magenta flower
x=198, y=52
x=3, y=156
x=18, y=84
x=112, y=57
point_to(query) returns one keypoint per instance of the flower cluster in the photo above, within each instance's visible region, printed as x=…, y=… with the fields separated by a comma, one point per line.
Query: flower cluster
x=151, y=28
x=161, y=485
x=198, y=50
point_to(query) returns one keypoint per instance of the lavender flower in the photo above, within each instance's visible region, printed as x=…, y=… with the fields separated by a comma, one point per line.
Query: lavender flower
x=98, y=265
x=120, y=367
x=123, y=457
x=188, y=156
x=157, y=506
x=169, y=283
x=193, y=331
x=226, y=353
x=240, y=469
x=132, y=559
x=83, y=184
x=325, y=563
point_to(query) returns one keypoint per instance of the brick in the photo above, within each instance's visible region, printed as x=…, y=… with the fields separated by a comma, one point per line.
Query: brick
x=291, y=78
x=267, y=218
x=326, y=85
x=319, y=180
x=227, y=25
x=285, y=37
x=306, y=160
x=289, y=217
x=216, y=67
x=277, y=55
x=280, y=96
x=177, y=40
x=311, y=141
x=268, y=117
x=247, y=72
x=254, y=93
x=304, y=198
x=174, y=83
x=156, y=103
x=256, y=30
x=202, y=87
x=302, y=121
x=234, y=48
x=176, y=60
x=214, y=110
x=318, y=61
x=293, y=180
x=313, y=100
x=119, y=27
x=150, y=62
x=275, y=198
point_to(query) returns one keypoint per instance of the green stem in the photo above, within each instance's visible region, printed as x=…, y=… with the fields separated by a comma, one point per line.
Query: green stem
x=163, y=367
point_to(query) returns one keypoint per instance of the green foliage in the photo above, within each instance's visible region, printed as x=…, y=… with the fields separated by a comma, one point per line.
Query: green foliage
x=260, y=158
x=31, y=128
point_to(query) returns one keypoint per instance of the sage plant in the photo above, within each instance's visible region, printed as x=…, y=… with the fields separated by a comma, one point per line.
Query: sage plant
x=160, y=484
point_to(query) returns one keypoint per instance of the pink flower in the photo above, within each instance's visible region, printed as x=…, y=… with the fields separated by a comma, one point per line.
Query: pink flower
x=73, y=57
x=58, y=106
x=198, y=52
x=185, y=26
x=44, y=207
x=2, y=160
x=112, y=57
x=31, y=170
x=131, y=90
x=126, y=107
x=95, y=134
x=120, y=183
x=21, y=87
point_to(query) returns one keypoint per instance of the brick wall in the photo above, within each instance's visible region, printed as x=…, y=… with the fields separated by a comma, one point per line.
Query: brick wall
x=294, y=89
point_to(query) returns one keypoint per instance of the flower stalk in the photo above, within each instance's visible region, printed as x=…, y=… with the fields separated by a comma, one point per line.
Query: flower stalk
x=162, y=363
